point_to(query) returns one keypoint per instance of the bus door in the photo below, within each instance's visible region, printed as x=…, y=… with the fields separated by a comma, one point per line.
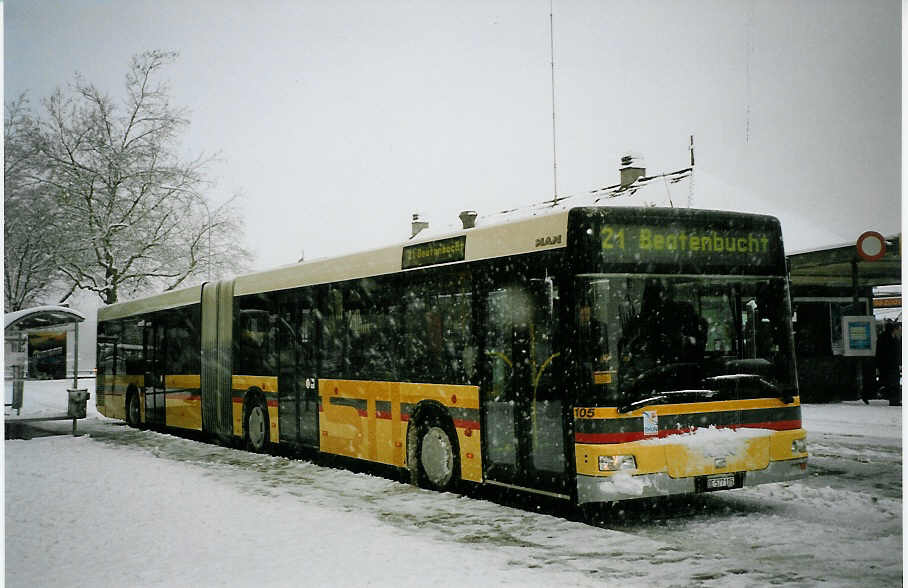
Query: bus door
x=523, y=408
x=154, y=342
x=297, y=385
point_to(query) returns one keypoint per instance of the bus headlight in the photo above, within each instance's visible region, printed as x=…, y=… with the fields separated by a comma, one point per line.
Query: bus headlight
x=799, y=446
x=613, y=463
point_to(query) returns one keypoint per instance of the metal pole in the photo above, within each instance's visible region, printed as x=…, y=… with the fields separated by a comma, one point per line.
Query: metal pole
x=854, y=306
x=76, y=360
x=854, y=284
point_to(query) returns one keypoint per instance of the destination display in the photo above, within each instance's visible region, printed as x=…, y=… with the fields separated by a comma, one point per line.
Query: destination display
x=434, y=252
x=637, y=243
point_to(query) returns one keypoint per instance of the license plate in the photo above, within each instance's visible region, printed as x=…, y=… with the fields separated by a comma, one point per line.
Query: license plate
x=716, y=482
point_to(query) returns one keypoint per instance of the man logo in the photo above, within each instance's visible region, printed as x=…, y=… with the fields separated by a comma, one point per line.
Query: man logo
x=550, y=240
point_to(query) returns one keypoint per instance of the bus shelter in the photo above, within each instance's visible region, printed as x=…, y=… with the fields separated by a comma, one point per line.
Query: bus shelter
x=831, y=289
x=41, y=323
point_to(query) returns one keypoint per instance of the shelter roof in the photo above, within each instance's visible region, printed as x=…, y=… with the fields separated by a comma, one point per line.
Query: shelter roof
x=40, y=317
x=833, y=266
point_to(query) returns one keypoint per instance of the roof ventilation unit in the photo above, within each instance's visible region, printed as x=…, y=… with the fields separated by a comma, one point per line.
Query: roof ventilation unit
x=417, y=225
x=631, y=169
x=468, y=218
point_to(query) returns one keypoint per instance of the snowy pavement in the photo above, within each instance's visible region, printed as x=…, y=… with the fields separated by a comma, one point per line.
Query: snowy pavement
x=123, y=507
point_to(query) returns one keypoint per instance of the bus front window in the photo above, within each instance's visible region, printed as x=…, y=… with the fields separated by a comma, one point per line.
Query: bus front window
x=722, y=336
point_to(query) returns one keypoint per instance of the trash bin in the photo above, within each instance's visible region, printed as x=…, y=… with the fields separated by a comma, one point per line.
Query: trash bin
x=77, y=402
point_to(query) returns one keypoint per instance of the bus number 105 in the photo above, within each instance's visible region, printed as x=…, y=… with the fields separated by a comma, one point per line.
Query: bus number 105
x=584, y=413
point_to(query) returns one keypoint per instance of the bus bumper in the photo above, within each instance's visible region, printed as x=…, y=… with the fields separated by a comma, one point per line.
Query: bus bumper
x=624, y=486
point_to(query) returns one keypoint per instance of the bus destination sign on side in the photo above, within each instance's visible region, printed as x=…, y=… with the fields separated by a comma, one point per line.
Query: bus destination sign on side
x=434, y=252
x=640, y=243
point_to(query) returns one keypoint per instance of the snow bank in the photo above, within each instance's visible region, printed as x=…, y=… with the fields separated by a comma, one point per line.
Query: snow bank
x=48, y=397
x=877, y=420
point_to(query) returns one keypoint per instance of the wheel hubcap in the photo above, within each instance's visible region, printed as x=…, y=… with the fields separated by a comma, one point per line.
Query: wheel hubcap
x=256, y=427
x=437, y=456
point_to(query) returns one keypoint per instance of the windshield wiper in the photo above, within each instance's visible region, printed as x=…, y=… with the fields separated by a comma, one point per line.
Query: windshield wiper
x=666, y=395
x=641, y=403
x=787, y=397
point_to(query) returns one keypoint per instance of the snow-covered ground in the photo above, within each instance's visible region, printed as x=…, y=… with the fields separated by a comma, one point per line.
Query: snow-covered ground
x=121, y=507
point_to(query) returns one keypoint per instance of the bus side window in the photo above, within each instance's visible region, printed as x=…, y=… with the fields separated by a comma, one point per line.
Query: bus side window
x=506, y=307
x=437, y=343
x=455, y=311
x=183, y=336
x=254, y=336
x=370, y=312
x=296, y=332
x=421, y=336
x=333, y=333
x=130, y=355
x=109, y=360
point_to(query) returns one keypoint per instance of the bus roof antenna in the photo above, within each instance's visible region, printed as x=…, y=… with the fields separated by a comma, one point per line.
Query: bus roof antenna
x=690, y=185
x=554, y=142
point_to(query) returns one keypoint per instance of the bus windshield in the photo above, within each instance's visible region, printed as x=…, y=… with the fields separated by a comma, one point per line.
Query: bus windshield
x=681, y=338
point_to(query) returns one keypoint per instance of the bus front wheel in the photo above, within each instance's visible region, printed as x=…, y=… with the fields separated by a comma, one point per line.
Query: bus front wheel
x=432, y=455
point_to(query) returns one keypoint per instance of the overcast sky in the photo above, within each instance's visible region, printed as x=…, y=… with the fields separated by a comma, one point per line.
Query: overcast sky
x=338, y=120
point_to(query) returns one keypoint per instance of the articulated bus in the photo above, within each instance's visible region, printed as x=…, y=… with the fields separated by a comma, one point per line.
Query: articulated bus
x=592, y=354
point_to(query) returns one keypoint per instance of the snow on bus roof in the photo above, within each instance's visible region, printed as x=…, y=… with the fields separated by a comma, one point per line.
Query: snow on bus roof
x=513, y=236
x=508, y=237
x=155, y=302
x=669, y=190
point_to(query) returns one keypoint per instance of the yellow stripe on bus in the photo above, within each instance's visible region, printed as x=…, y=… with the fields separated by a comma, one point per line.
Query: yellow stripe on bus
x=183, y=401
x=263, y=383
x=693, y=407
x=187, y=381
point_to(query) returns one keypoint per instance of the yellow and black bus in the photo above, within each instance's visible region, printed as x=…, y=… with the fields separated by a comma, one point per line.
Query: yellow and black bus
x=592, y=354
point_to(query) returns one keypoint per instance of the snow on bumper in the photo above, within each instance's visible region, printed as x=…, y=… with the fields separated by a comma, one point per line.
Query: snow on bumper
x=691, y=462
x=624, y=485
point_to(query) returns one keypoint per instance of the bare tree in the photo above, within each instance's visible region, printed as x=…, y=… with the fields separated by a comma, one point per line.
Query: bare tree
x=30, y=273
x=128, y=204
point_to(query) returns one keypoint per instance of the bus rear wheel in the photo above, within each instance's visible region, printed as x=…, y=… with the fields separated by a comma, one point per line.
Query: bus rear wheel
x=432, y=455
x=132, y=410
x=256, y=426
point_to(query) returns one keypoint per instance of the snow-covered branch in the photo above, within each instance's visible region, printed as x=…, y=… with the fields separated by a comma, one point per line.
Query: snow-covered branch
x=124, y=208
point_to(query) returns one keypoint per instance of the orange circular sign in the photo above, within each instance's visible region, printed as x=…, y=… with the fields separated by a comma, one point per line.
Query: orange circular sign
x=871, y=246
